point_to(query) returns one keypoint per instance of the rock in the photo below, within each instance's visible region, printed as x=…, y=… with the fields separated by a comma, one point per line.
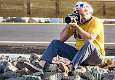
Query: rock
x=97, y=72
x=2, y=77
x=20, y=65
x=51, y=68
x=10, y=74
x=75, y=77
x=70, y=78
x=87, y=75
x=108, y=77
x=59, y=59
x=10, y=67
x=37, y=74
x=26, y=77
x=53, y=76
x=23, y=71
x=80, y=69
x=112, y=71
x=34, y=57
x=30, y=77
x=2, y=66
x=22, y=59
x=5, y=58
x=112, y=66
x=17, y=78
x=81, y=73
x=52, y=73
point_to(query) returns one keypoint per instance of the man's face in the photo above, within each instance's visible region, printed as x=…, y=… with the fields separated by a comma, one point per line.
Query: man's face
x=84, y=14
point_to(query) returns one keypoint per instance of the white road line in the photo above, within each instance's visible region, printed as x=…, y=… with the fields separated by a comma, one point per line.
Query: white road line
x=37, y=42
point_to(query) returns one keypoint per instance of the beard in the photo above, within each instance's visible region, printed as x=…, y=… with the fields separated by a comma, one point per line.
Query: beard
x=85, y=18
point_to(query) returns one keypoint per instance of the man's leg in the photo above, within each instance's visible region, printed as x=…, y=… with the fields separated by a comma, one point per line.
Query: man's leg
x=85, y=52
x=94, y=59
x=57, y=47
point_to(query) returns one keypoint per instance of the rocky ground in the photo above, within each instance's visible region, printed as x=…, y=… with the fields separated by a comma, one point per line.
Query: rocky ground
x=26, y=69
x=23, y=68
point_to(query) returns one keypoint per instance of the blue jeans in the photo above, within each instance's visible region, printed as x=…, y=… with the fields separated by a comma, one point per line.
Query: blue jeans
x=87, y=55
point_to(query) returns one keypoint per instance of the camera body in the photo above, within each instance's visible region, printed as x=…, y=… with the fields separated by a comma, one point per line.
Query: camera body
x=71, y=17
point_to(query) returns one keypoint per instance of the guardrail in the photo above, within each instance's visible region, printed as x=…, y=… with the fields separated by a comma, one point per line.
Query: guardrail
x=37, y=33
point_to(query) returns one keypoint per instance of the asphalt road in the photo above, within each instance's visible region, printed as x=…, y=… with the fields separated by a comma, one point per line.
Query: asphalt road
x=42, y=32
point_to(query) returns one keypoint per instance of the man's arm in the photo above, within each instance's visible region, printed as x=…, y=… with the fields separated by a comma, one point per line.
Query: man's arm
x=85, y=35
x=64, y=35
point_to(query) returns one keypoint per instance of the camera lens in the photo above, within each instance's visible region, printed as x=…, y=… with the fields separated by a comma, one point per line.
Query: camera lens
x=68, y=19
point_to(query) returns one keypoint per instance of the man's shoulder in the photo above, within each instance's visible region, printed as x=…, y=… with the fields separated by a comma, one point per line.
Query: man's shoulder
x=96, y=19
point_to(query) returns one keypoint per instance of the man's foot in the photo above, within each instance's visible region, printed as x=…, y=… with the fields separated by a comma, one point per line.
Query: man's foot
x=71, y=70
x=63, y=67
x=33, y=69
x=67, y=69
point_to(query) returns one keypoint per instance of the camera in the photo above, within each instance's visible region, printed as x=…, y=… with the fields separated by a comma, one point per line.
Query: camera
x=71, y=17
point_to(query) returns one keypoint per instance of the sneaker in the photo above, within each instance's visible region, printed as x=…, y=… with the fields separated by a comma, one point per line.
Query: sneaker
x=33, y=68
x=71, y=70
x=63, y=67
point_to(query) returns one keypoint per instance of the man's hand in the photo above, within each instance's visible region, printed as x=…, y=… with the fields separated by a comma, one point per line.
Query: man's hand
x=73, y=24
x=84, y=35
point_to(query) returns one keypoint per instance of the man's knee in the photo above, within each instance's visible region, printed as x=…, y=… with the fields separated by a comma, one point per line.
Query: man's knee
x=55, y=41
x=88, y=42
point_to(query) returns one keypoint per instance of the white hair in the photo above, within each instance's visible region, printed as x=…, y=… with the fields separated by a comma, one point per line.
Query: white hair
x=86, y=5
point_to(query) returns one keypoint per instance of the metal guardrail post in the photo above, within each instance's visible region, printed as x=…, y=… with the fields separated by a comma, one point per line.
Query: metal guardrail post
x=28, y=8
x=57, y=7
x=0, y=4
x=104, y=9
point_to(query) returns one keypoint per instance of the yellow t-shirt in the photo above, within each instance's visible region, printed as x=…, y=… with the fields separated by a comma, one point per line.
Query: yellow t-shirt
x=95, y=25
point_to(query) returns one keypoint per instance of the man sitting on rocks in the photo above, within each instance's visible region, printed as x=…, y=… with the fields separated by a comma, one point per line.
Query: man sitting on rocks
x=89, y=47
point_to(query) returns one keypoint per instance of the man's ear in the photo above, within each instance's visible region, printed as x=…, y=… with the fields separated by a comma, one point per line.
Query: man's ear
x=82, y=10
x=85, y=10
